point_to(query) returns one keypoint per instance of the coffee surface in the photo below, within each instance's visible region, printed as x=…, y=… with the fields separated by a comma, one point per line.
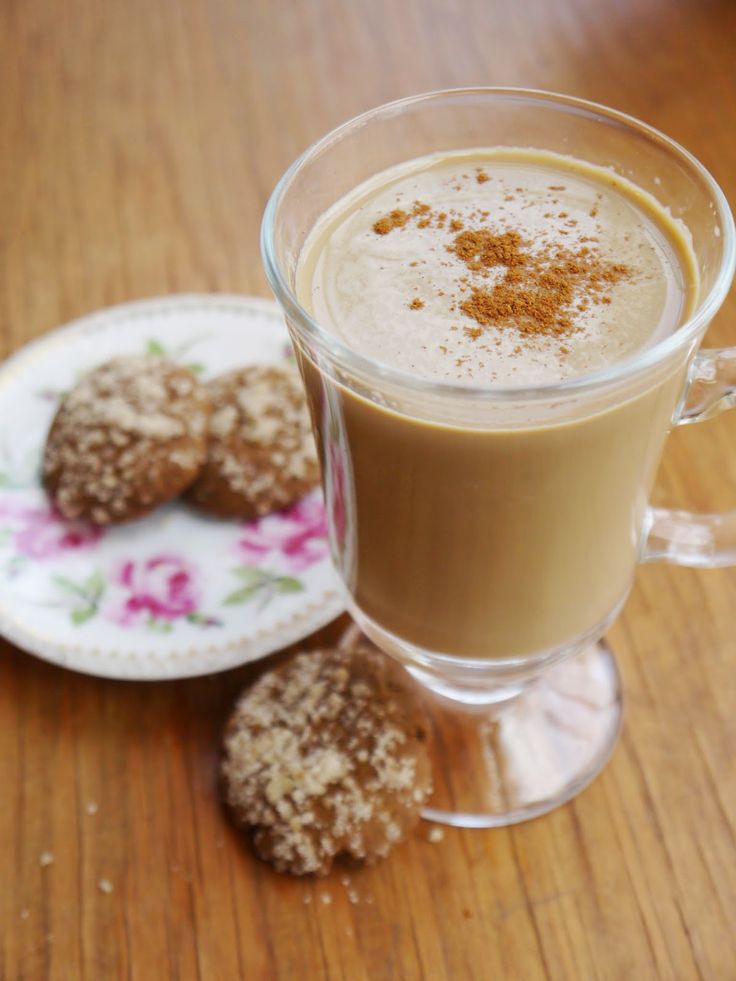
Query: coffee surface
x=499, y=267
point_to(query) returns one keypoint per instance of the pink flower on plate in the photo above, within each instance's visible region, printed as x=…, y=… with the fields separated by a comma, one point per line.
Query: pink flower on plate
x=41, y=533
x=298, y=535
x=160, y=588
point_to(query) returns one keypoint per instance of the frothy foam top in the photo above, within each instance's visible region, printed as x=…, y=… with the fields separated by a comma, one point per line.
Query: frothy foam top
x=497, y=267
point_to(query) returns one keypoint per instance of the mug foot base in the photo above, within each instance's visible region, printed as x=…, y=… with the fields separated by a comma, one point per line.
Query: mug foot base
x=496, y=765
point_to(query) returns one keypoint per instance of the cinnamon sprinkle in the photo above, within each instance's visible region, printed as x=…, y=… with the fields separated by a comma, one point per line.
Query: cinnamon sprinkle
x=394, y=219
x=534, y=290
x=481, y=248
x=537, y=290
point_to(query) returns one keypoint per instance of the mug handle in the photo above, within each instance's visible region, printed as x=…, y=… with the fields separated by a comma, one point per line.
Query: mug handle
x=683, y=537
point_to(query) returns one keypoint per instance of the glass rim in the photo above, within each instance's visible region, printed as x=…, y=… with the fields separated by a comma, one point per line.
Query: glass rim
x=620, y=371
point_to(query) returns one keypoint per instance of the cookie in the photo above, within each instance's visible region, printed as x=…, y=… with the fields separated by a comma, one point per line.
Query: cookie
x=327, y=755
x=130, y=436
x=261, y=455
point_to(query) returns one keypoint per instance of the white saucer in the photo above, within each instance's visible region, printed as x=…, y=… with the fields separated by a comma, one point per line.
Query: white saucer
x=175, y=594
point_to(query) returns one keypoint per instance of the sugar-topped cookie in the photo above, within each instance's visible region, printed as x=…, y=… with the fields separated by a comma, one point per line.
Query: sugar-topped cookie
x=128, y=437
x=261, y=455
x=327, y=755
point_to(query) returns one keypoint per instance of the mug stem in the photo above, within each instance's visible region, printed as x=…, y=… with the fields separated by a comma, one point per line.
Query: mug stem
x=500, y=763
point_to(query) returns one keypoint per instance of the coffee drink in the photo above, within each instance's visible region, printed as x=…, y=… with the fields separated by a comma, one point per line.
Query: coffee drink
x=507, y=532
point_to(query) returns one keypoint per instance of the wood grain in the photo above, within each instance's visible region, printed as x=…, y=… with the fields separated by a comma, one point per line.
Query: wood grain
x=139, y=142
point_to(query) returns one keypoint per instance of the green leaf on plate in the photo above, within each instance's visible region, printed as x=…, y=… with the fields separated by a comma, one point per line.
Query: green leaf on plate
x=94, y=586
x=67, y=585
x=250, y=574
x=242, y=595
x=159, y=626
x=82, y=615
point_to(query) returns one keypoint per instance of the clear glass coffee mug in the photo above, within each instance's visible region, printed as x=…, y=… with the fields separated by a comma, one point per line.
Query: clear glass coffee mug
x=487, y=537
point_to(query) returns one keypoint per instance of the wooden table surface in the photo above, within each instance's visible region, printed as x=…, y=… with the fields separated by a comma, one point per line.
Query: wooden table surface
x=138, y=144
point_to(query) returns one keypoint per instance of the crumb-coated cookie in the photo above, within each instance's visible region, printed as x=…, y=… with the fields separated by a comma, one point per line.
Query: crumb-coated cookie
x=128, y=437
x=261, y=455
x=327, y=755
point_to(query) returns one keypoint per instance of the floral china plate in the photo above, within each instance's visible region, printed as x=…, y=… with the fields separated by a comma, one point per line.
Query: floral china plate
x=176, y=594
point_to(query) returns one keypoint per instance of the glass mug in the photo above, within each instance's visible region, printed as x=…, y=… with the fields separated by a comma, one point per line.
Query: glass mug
x=487, y=537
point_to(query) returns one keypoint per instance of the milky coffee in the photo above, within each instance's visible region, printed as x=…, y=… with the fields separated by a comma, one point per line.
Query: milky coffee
x=512, y=532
